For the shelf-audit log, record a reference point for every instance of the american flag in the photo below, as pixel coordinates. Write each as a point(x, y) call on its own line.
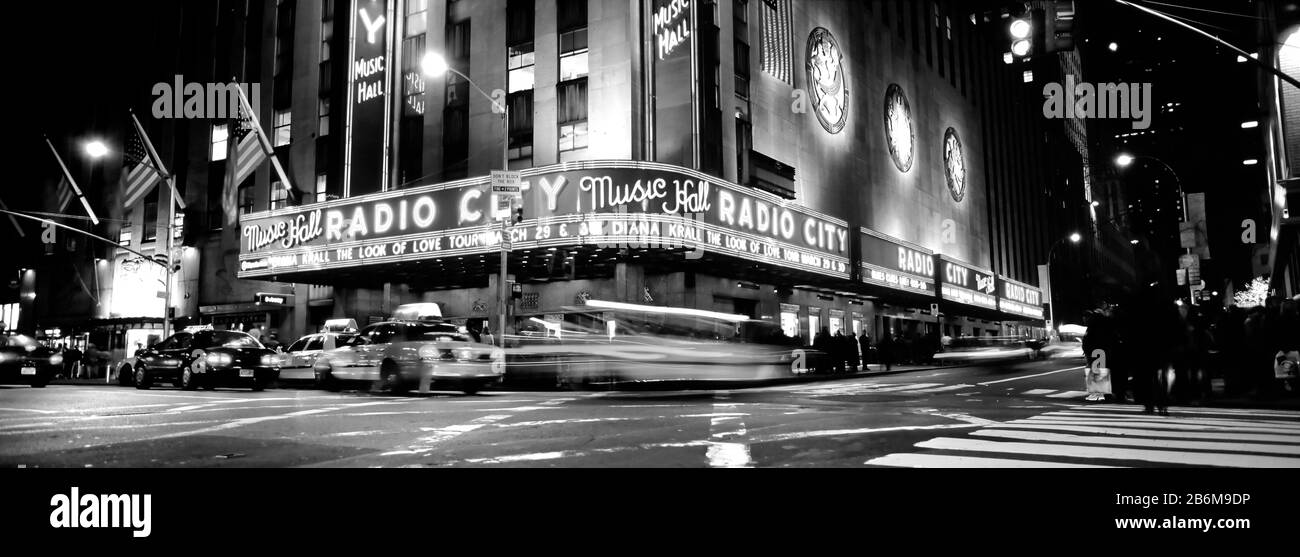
point(138, 173)
point(248, 149)
point(65, 195)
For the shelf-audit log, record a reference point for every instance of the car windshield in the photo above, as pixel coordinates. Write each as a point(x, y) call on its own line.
point(350, 339)
point(233, 339)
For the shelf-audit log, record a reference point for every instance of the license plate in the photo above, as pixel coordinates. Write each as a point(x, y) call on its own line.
point(29, 371)
point(245, 373)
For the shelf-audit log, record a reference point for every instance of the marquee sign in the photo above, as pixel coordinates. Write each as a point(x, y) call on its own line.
point(368, 108)
point(893, 263)
point(1018, 298)
point(600, 203)
point(966, 284)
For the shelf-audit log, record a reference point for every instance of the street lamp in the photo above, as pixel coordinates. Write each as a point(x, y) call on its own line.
point(1124, 160)
point(434, 65)
point(96, 149)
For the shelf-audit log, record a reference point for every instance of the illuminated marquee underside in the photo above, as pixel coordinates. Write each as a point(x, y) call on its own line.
point(602, 204)
point(893, 263)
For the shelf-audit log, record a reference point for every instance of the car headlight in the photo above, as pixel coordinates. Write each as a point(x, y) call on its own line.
point(464, 354)
point(219, 359)
point(269, 360)
point(56, 359)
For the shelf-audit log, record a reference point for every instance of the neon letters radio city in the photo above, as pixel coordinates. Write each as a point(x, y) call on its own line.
point(592, 203)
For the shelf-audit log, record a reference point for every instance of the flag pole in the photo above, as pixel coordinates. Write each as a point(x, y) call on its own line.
point(157, 161)
point(4, 208)
point(171, 225)
point(72, 182)
point(261, 137)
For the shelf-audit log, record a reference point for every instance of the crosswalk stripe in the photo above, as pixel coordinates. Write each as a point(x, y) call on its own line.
point(943, 389)
point(1069, 394)
point(1119, 431)
point(1167, 425)
point(1033, 392)
point(906, 387)
point(1111, 453)
point(1128, 408)
point(1139, 442)
point(925, 460)
point(1280, 425)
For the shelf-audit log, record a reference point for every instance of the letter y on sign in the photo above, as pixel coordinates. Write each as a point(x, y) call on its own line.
point(372, 26)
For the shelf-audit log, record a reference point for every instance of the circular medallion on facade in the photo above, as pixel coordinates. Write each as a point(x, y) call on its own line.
point(898, 128)
point(954, 165)
point(830, 89)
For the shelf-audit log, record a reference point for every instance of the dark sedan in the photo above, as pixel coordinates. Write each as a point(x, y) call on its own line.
point(26, 362)
point(23, 361)
point(207, 359)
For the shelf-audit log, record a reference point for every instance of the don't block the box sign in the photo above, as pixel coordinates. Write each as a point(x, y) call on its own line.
point(615, 204)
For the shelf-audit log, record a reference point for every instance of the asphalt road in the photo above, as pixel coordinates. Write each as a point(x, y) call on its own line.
point(1028, 414)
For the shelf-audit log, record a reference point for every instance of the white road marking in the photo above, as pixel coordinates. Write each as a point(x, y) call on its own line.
point(859, 431)
point(33, 410)
point(1035, 392)
point(1132, 409)
point(1166, 425)
point(725, 425)
point(241, 423)
point(1069, 394)
point(1030, 376)
point(943, 389)
point(925, 460)
point(1111, 453)
point(1206, 419)
point(556, 455)
point(441, 434)
point(1138, 442)
point(1120, 432)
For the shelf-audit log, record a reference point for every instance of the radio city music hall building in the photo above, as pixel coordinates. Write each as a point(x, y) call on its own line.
point(814, 164)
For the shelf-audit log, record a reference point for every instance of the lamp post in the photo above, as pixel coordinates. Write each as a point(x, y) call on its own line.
point(1126, 160)
point(433, 65)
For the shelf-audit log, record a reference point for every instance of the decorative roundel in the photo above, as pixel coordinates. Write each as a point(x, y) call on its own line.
point(898, 128)
point(954, 165)
point(830, 90)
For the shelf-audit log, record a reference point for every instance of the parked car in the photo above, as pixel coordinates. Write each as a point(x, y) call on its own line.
point(208, 359)
point(404, 354)
point(23, 361)
point(298, 362)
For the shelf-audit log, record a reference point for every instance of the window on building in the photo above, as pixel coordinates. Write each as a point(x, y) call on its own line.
point(326, 35)
point(283, 68)
point(520, 52)
point(572, 14)
point(220, 139)
point(775, 47)
point(322, 187)
point(279, 195)
point(742, 69)
point(573, 54)
point(283, 124)
point(572, 114)
point(455, 118)
point(149, 231)
point(521, 126)
point(124, 235)
point(323, 116)
point(413, 49)
point(520, 64)
point(417, 17)
point(246, 200)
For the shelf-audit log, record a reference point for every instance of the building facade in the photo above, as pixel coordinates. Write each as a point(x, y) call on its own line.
point(821, 165)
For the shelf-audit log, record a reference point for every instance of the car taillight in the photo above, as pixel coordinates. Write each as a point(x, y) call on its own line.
point(464, 354)
point(429, 353)
point(56, 359)
point(269, 360)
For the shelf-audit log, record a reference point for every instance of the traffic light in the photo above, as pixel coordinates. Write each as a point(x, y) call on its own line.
point(519, 214)
point(1043, 30)
point(516, 291)
point(1059, 18)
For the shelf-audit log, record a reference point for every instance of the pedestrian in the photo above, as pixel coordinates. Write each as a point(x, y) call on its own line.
point(864, 345)
point(1159, 320)
point(71, 361)
point(273, 342)
point(886, 351)
point(824, 346)
point(1101, 349)
point(852, 359)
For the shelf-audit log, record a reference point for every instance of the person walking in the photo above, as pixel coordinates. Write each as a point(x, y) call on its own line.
point(823, 344)
point(887, 351)
point(864, 345)
point(1159, 320)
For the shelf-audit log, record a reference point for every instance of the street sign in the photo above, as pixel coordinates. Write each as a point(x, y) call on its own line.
point(511, 179)
point(934, 309)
